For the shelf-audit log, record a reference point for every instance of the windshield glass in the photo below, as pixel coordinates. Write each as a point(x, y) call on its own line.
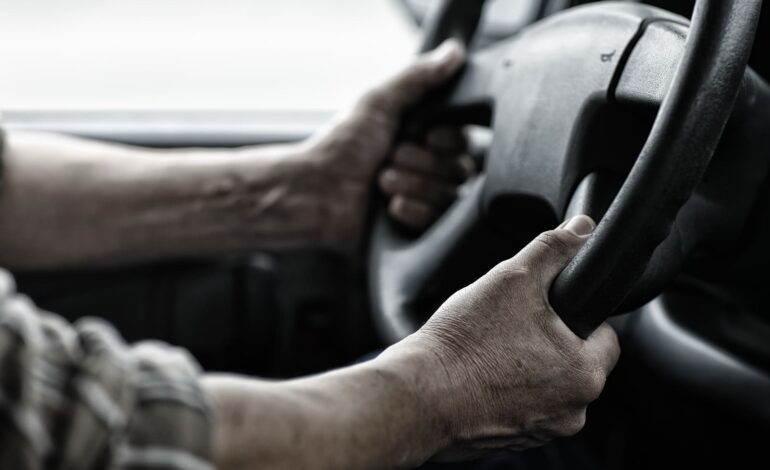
point(282, 55)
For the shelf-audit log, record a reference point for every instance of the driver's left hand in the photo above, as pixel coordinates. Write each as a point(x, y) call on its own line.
point(358, 149)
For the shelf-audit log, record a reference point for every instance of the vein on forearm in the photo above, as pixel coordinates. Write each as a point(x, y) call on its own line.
point(71, 202)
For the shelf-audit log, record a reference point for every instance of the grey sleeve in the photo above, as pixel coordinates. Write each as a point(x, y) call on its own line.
point(2, 153)
point(76, 396)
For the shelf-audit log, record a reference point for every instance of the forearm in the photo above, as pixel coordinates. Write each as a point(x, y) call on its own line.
point(373, 415)
point(72, 202)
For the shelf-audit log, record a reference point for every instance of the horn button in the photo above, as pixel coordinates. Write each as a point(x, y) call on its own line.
point(544, 86)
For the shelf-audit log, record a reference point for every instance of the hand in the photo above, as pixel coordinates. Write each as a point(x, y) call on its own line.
point(494, 368)
point(507, 372)
point(422, 179)
point(346, 156)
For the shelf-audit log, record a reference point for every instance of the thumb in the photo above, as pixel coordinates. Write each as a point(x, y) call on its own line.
point(425, 73)
point(549, 253)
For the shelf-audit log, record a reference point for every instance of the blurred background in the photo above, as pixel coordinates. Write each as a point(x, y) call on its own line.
point(197, 54)
point(147, 55)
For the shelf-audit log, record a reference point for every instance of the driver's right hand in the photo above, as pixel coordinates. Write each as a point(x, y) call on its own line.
point(506, 372)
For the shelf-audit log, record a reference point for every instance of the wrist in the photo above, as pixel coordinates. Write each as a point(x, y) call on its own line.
point(342, 195)
point(284, 205)
point(425, 382)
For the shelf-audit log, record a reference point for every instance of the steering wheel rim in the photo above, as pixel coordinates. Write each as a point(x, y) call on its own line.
point(640, 225)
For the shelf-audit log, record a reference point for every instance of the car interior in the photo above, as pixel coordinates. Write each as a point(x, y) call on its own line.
point(610, 108)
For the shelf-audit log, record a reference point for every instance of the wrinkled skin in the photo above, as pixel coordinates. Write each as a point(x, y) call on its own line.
point(510, 374)
point(493, 369)
point(359, 148)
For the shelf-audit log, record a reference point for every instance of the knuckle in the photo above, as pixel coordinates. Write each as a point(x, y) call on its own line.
point(415, 79)
point(398, 182)
point(614, 348)
point(573, 424)
point(615, 352)
point(606, 344)
point(509, 272)
point(424, 72)
point(558, 241)
point(377, 100)
point(387, 181)
point(406, 153)
point(593, 384)
point(410, 212)
point(467, 166)
point(396, 207)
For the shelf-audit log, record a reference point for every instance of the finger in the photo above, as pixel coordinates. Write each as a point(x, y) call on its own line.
point(425, 73)
point(411, 212)
point(447, 141)
point(451, 145)
point(468, 166)
point(604, 345)
point(551, 252)
point(410, 156)
point(397, 181)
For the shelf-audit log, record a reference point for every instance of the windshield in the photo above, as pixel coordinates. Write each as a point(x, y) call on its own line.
point(282, 55)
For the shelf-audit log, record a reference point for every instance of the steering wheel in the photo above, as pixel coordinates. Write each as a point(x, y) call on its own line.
point(538, 91)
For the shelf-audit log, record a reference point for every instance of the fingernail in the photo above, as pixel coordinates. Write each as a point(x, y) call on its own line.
point(449, 50)
point(388, 177)
point(580, 225)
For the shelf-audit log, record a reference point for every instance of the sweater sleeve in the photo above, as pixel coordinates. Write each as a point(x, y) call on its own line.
point(75, 396)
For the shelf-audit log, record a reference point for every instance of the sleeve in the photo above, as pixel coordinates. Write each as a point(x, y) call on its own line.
point(2, 152)
point(76, 396)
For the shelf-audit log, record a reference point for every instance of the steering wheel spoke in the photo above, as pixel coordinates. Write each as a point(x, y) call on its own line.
point(414, 276)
